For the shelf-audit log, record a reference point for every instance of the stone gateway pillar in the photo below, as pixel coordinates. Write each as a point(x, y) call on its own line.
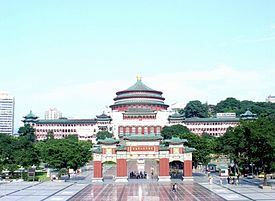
point(121, 168)
point(187, 171)
point(164, 173)
point(98, 176)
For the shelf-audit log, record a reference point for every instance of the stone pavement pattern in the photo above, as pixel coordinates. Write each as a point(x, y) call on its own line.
point(34, 191)
point(135, 189)
point(241, 192)
point(146, 191)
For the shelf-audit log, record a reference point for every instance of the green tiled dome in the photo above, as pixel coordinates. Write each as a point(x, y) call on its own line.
point(139, 94)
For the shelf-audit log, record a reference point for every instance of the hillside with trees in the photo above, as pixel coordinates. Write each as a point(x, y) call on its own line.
point(198, 109)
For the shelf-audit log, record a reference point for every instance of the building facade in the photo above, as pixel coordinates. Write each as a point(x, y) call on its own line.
point(142, 149)
point(6, 113)
point(137, 110)
point(53, 113)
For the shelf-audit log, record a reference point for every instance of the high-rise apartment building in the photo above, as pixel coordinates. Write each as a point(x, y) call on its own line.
point(53, 113)
point(6, 113)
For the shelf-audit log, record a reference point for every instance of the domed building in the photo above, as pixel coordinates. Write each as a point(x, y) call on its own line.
point(139, 96)
point(138, 110)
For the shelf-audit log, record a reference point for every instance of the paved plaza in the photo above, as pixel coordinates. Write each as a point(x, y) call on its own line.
point(135, 189)
point(35, 191)
point(146, 191)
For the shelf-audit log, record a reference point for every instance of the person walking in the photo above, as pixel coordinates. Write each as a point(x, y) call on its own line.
point(174, 187)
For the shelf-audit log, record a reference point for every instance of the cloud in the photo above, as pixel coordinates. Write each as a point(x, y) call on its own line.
point(89, 99)
point(217, 84)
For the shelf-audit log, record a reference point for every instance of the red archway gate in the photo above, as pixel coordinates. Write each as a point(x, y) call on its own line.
point(137, 147)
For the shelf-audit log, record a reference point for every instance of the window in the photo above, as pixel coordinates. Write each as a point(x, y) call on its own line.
point(145, 130)
point(139, 130)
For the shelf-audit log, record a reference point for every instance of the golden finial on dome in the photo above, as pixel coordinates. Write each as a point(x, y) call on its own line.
point(139, 78)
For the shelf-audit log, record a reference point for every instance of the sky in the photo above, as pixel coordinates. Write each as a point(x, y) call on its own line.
point(75, 55)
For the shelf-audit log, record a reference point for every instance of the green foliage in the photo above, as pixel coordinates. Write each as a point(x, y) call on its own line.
point(109, 163)
point(204, 145)
point(228, 105)
point(62, 171)
point(262, 109)
point(173, 131)
point(65, 153)
point(196, 109)
point(27, 132)
point(15, 152)
point(251, 142)
point(101, 135)
point(41, 176)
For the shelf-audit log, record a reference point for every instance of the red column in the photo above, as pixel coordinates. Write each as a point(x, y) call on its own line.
point(97, 169)
point(187, 168)
point(121, 168)
point(164, 167)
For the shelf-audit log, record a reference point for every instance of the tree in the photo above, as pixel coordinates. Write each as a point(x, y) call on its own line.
point(15, 152)
point(196, 109)
point(6, 151)
point(251, 142)
point(64, 153)
point(262, 109)
point(204, 146)
point(25, 152)
point(28, 132)
point(101, 135)
point(173, 131)
point(228, 105)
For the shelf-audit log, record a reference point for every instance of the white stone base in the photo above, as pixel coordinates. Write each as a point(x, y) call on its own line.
point(187, 178)
point(121, 179)
point(100, 179)
point(164, 178)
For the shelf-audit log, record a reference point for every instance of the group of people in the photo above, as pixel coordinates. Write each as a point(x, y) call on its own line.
point(138, 175)
point(233, 180)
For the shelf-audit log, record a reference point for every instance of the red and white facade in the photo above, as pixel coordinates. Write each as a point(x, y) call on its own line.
point(147, 147)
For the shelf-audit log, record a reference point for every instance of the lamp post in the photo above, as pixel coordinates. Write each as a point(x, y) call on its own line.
point(21, 170)
point(33, 166)
point(252, 167)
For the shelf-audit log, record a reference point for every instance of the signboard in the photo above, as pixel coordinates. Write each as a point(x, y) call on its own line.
point(31, 172)
point(142, 148)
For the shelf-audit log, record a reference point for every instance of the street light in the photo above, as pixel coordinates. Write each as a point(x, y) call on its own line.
point(21, 170)
point(252, 167)
point(33, 167)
